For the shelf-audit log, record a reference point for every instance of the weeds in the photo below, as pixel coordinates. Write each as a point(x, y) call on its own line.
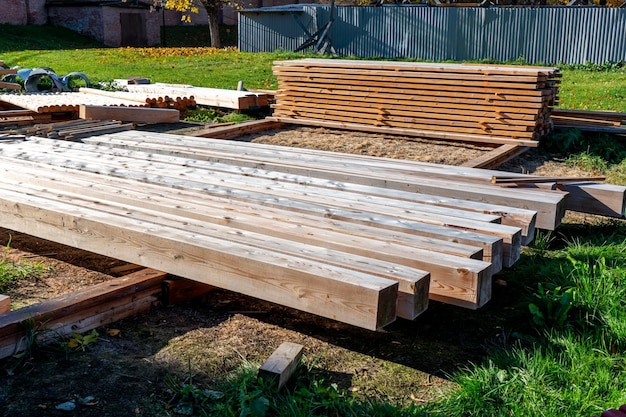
point(12, 272)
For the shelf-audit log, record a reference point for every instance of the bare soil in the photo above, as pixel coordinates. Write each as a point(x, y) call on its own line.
point(408, 362)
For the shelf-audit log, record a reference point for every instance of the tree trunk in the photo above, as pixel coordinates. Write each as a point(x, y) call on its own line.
point(214, 29)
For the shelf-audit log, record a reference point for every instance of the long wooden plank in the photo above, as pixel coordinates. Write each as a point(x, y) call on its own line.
point(432, 115)
point(531, 78)
point(349, 296)
point(426, 110)
point(447, 97)
point(468, 128)
point(129, 114)
point(511, 235)
point(364, 80)
point(235, 131)
point(80, 311)
point(440, 135)
point(422, 66)
point(497, 157)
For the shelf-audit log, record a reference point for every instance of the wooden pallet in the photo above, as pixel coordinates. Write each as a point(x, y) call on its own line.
point(498, 102)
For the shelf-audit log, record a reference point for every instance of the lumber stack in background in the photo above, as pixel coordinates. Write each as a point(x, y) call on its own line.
point(214, 97)
point(484, 102)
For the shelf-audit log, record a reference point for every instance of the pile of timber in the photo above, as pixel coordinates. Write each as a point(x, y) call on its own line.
point(589, 120)
point(480, 103)
point(213, 97)
point(358, 239)
point(180, 103)
point(71, 129)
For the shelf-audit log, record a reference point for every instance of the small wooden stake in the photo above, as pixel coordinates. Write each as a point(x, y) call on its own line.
point(282, 363)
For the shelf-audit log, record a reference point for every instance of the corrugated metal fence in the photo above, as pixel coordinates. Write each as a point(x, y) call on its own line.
point(550, 35)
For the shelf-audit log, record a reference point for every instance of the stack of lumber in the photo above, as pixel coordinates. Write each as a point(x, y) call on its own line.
point(482, 103)
point(214, 97)
point(72, 129)
point(63, 102)
point(180, 103)
point(357, 239)
point(597, 121)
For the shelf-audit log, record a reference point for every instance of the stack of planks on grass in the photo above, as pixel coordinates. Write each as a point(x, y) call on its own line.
point(483, 103)
point(62, 102)
point(588, 120)
point(80, 311)
point(214, 97)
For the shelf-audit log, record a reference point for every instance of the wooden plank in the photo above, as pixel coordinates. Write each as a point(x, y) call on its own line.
point(129, 114)
point(282, 363)
point(535, 179)
point(602, 199)
point(76, 311)
point(497, 157)
point(5, 303)
point(235, 131)
point(359, 299)
point(440, 135)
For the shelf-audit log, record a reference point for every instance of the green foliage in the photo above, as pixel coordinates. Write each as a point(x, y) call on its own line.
point(79, 341)
point(12, 272)
point(552, 305)
point(588, 162)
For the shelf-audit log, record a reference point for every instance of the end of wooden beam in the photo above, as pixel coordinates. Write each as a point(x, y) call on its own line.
point(180, 290)
point(282, 364)
point(5, 303)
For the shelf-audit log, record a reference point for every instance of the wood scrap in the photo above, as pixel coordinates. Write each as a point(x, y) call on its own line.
point(80, 311)
point(282, 363)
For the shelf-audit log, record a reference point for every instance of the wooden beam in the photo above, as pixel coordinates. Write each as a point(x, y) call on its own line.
point(129, 114)
point(235, 131)
point(80, 311)
point(282, 364)
point(497, 157)
point(179, 290)
point(10, 86)
point(440, 135)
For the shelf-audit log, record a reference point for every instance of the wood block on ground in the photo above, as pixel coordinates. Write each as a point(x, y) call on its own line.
point(5, 303)
point(129, 114)
point(282, 364)
point(82, 310)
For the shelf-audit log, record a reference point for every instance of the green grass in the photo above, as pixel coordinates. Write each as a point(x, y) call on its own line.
point(12, 272)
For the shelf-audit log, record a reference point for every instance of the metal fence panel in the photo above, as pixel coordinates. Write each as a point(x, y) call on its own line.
point(550, 35)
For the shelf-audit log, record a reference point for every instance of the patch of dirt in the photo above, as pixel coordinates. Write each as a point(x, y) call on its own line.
point(127, 375)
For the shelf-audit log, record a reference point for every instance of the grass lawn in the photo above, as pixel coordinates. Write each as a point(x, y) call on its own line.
point(563, 353)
